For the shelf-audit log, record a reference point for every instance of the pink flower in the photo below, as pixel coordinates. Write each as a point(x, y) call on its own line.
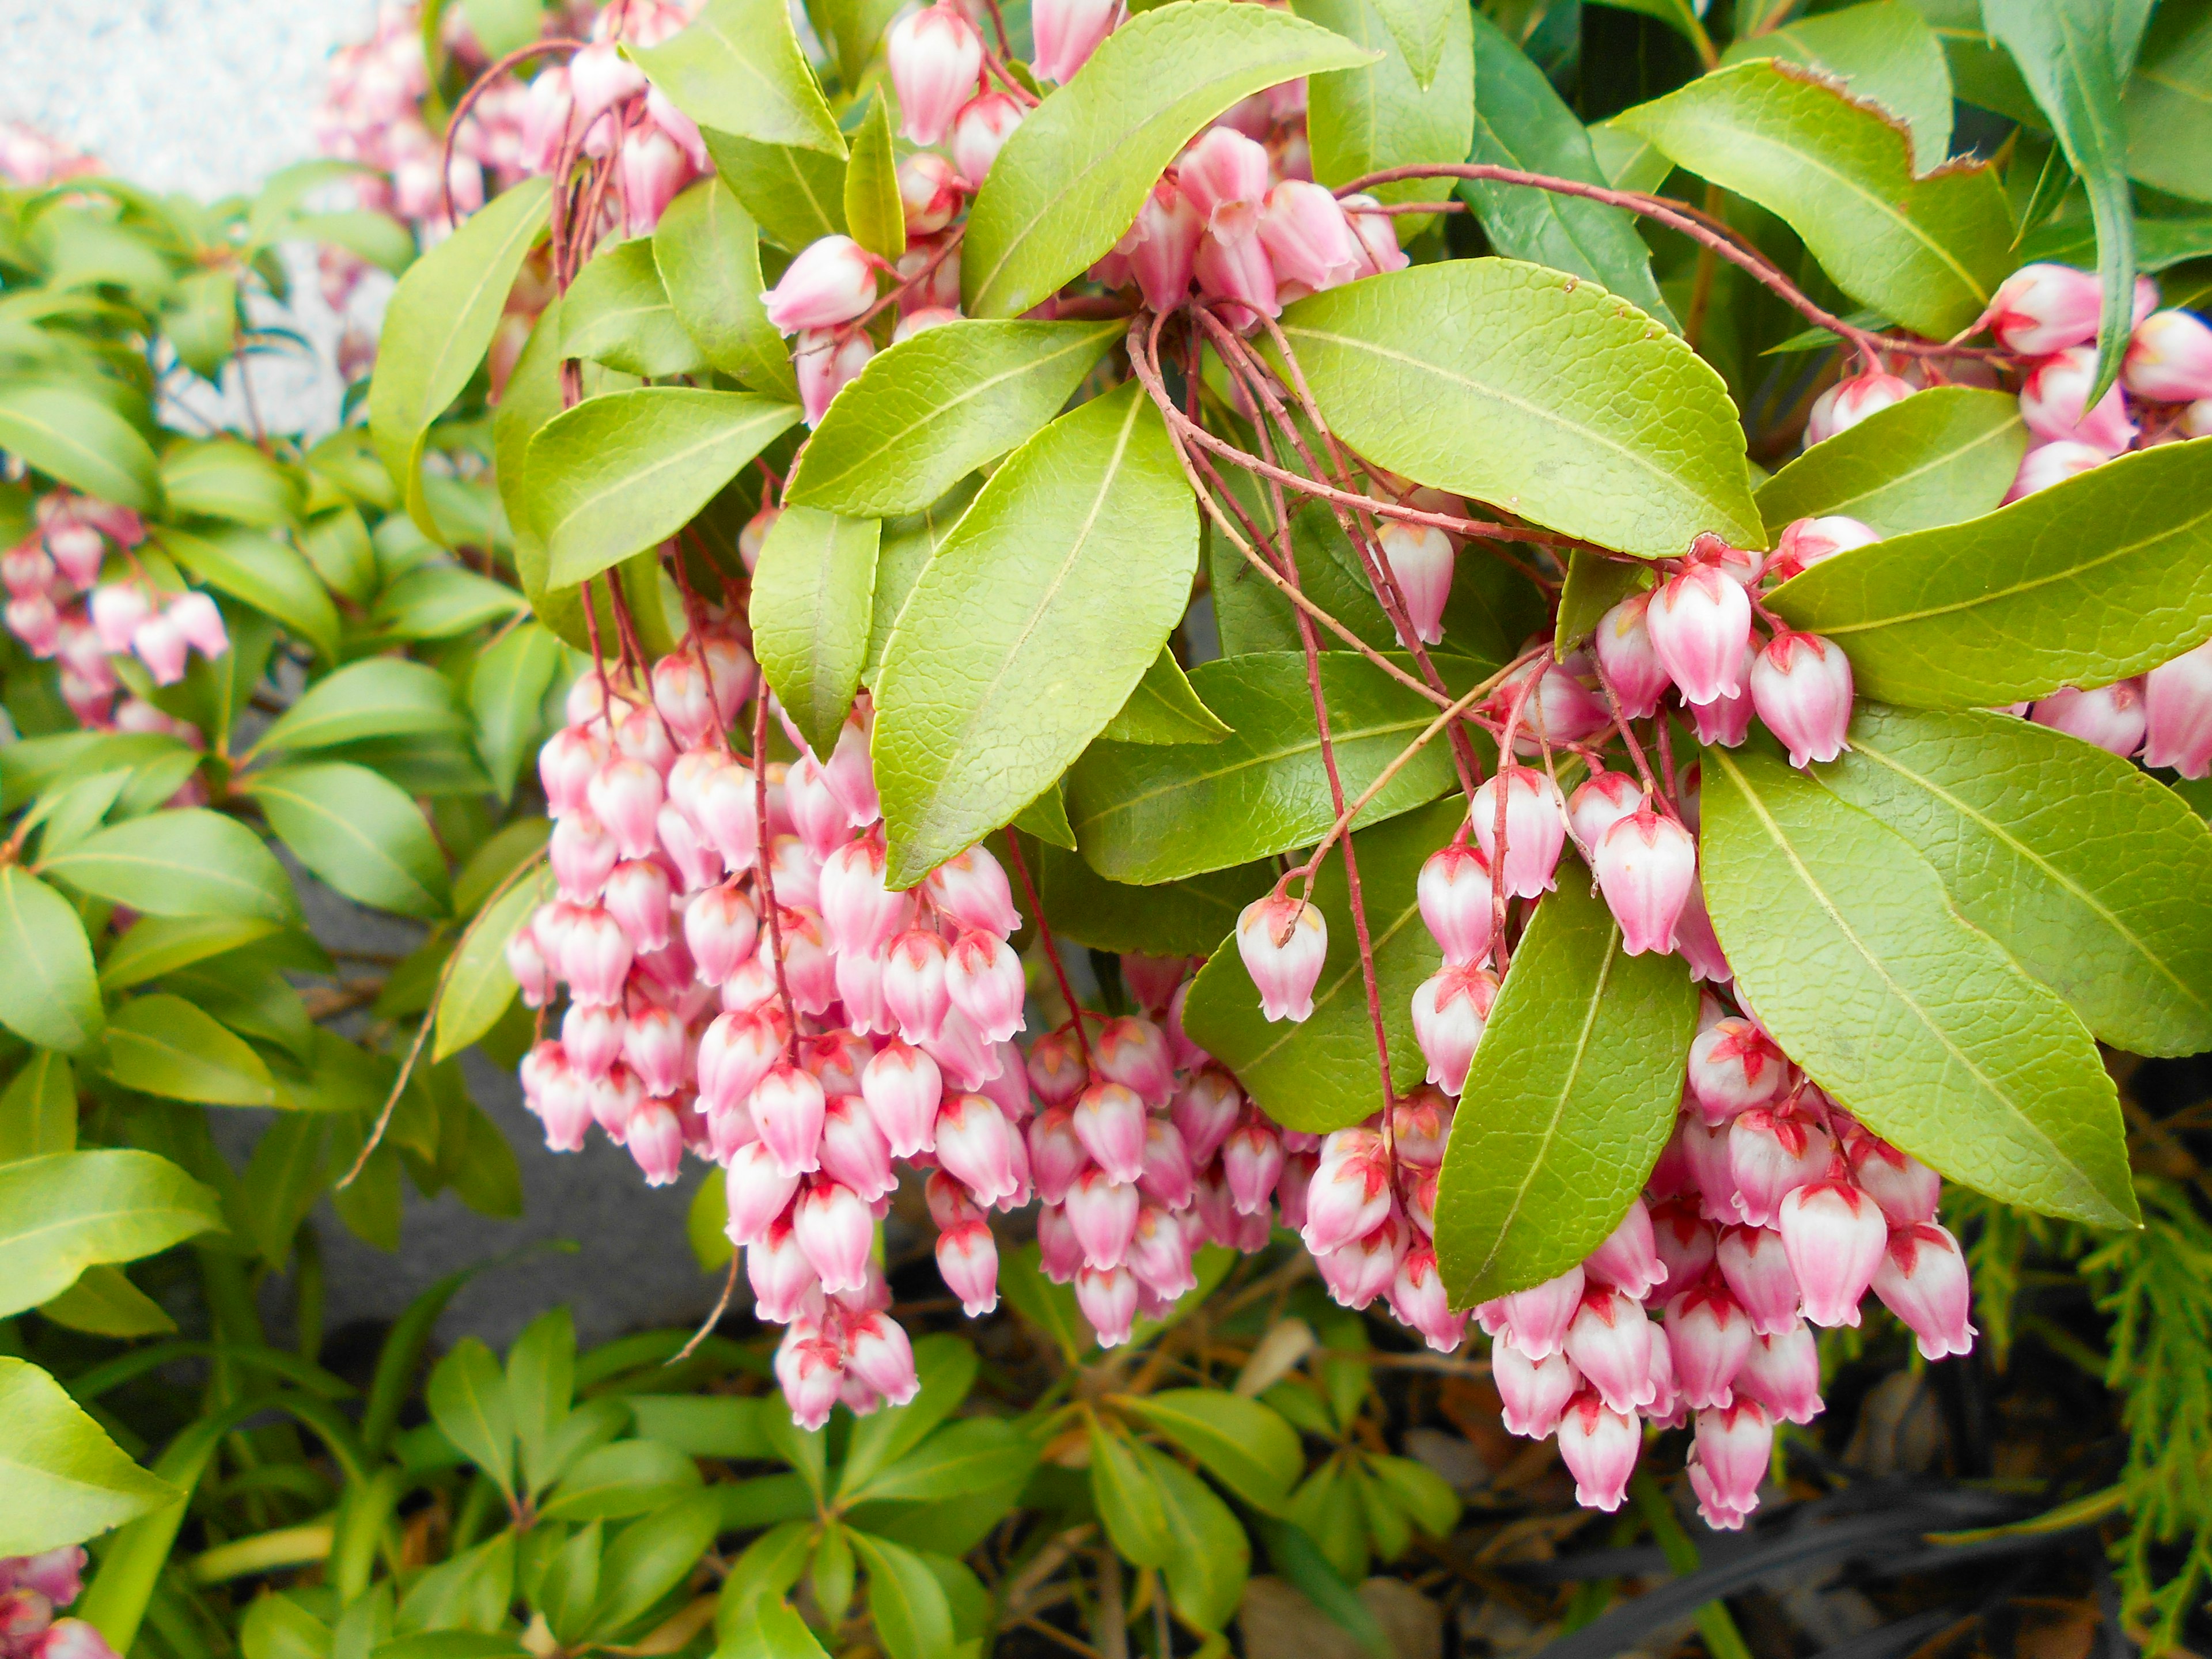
point(1536, 1321)
point(1134, 1053)
point(1159, 1253)
point(1801, 687)
point(1238, 277)
point(1922, 1279)
point(1805, 543)
point(1108, 1299)
point(1734, 1446)
point(1420, 558)
point(970, 887)
point(2043, 309)
point(983, 980)
point(1451, 1010)
point(835, 1232)
point(1102, 1213)
point(1167, 1178)
point(2178, 713)
point(1709, 1335)
point(654, 167)
point(1770, 1156)
point(1847, 401)
point(2051, 464)
point(825, 367)
point(1782, 1372)
point(1684, 1241)
point(1252, 1163)
point(1205, 1109)
point(1535, 829)
point(979, 131)
point(1162, 245)
point(878, 1352)
point(935, 56)
point(1307, 236)
point(1377, 233)
point(1599, 801)
point(193, 615)
point(1349, 1195)
point(1625, 652)
point(1834, 1235)
point(781, 1277)
point(1598, 1444)
point(2054, 402)
point(1534, 1393)
point(929, 191)
point(1454, 892)
point(1224, 175)
point(1067, 32)
point(1906, 1189)
point(1283, 942)
point(2113, 717)
point(1700, 624)
point(1756, 1266)
point(1419, 1299)
point(2169, 359)
point(1629, 1259)
point(810, 1370)
point(787, 1105)
point(757, 1192)
point(1108, 1119)
point(967, 1261)
point(1645, 864)
point(1609, 1339)
point(977, 1146)
point(1734, 1066)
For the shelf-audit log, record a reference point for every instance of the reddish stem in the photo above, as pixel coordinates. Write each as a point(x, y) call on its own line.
point(1044, 937)
point(520, 54)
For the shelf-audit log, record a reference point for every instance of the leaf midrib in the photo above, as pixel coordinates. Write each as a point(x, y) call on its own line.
point(351, 832)
point(2002, 429)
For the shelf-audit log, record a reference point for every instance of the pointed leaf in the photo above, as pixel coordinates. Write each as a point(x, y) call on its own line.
point(810, 614)
point(1163, 709)
point(48, 996)
point(912, 1618)
point(738, 69)
point(1073, 174)
point(255, 567)
point(907, 545)
point(38, 1113)
point(1382, 113)
point(378, 696)
point(617, 312)
point(105, 1303)
point(650, 1558)
point(61, 1478)
point(1595, 584)
point(1885, 54)
point(1209, 1556)
point(962, 1458)
point(2084, 583)
point(1917, 1024)
point(161, 1044)
point(78, 439)
point(1127, 1498)
point(481, 988)
point(507, 695)
point(1943, 456)
point(1536, 392)
point(874, 215)
point(933, 408)
point(1243, 1444)
point(358, 832)
point(62, 1213)
point(796, 195)
point(2168, 106)
point(708, 249)
point(469, 1402)
point(1031, 625)
point(1572, 1096)
point(191, 862)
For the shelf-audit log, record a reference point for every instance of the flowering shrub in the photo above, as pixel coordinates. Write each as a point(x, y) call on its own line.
point(1267, 498)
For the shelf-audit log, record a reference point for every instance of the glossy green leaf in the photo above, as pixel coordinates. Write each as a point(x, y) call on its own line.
point(358, 832)
point(773, 1632)
point(1423, 31)
point(337, 545)
point(874, 215)
point(438, 601)
point(945, 1369)
point(1209, 1557)
point(1163, 709)
point(227, 478)
point(738, 69)
point(796, 195)
point(2086, 582)
point(282, 1180)
point(469, 1402)
point(620, 474)
point(61, 1478)
point(615, 1481)
point(909, 544)
point(62, 1213)
point(1031, 627)
point(105, 1303)
point(1151, 812)
point(2065, 51)
point(1412, 1486)
point(189, 862)
point(437, 327)
point(38, 1113)
point(1926, 252)
point(1240, 1443)
point(481, 988)
point(2160, 244)
point(1320, 1075)
point(965, 1457)
point(1536, 392)
point(377, 696)
point(703, 1425)
point(1520, 122)
point(2096, 878)
point(617, 312)
point(48, 996)
point(649, 1558)
point(506, 692)
point(161, 1044)
point(1594, 585)
point(1916, 1022)
point(1943, 456)
point(708, 249)
point(155, 946)
point(811, 608)
point(1127, 1498)
point(933, 408)
point(1571, 1095)
point(201, 321)
point(912, 1618)
point(458, 1603)
point(1073, 174)
point(257, 568)
point(571, 1584)
point(2167, 105)
point(1381, 114)
point(1185, 918)
point(1885, 54)
point(75, 437)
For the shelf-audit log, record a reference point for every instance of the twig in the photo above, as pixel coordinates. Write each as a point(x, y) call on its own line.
point(721, 1306)
point(1044, 937)
point(461, 110)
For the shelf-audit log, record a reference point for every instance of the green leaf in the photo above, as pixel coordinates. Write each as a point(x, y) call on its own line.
point(282, 1180)
point(1072, 178)
point(376, 237)
point(480, 987)
point(853, 29)
point(76, 438)
point(703, 1425)
point(1320, 1074)
point(38, 1113)
point(1520, 122)
point(933, 408)
point(225, 478)
point(1209, 1557)
point(617, 312)
point(1417, 1489)
point(62, 1213)
point(357, 831)
point(1943, 456)
point(1885, 54)
point(874, 215)
point(2159, 243)
point(614, 1482)
point(161, 1044)
point(159, 944)
point(337, 545)
point(61, 1478)
point(1127, 1498)
point(506, 694)
point(1926, 252)
point(1570, 1097)
point(255, 567)
point(187, 862)
point(2096, 878)
point(437, 327)
point(771, 1563)
point(1032, 624)
point(945, 1369)
point(437, 601)
point(469, 1402)
point(708, 249)
point(622, 473)
point(1536, 392)
point(48, 996)
point(796, 195)
point(738, 69)
point(2086, 582)
point(1165, 709)
point(1381, 114)
point(1240, 1443)
point(965, 1458)
point(1594, 585)
point(649, 1558)
point(912, 1618)
point(1045, 818)
point(1151, 812)
point(2167, 105)
point(571, 1584)
point(1916, 1022)
point(1423, 31)
point(810, 614)
point(2065, 51)
point(1050, 1308)
point(772, 1632)
point(377, 696)
point(202, 321)
point(458, 1604)
point(105, 1303)
point(907, 545)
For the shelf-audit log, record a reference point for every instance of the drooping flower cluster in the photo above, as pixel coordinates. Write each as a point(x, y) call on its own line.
point(2049, 314)
point(60, 609)
point(31, 1588)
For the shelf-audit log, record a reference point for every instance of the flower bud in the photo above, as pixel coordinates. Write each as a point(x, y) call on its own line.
point(977, 1147)
point(1252, 1163)
point(1357, 1273)
point(824, 366)
point(1535, 828)
point(1805, 543)
point(1056, 1068)
point(1451, 1009)
point(1726, 720)
point(526, 960)
point(817, 812)
point(1350, 1194)
point(979, 131)
point(757, 1193)
point(837, 1233)
point(561, 1100)
point(1684, 1241)
point(1536, 1321)
point(654, 1045)
point(971, 887)
point(1102, 1213)
point(2113, 717)
point(1558, 708)
point(876, 1350)
point(1756, 1266)
point(929, 191)
point(1067, 32)
point(1801, 686)
point(983, 980)
point(1834, 1235)
point(1205, 1111)
point(1534, 1393)
point(1906, 1189)
point(1159, 1253)
point(1238, 277)
point(1699, 624)
point(935, 56)
point(913, 984)
point(902, 1088)
point(193, 615)
point(2054, 399)
point(1455, 895)
point(637, 897)
point(117, 611)
point(625, 796)
point(1847, 401)
point(1599, 1446)
point(1782, 1372)
point(786, 1105)
point(1421, 1129)
point(159, 644)
point(1735, 1443)
point(1108, 1299)
point(1134, 1053)
point(1599, 801)
point(735, 1053)
point(1419, 1299)
point(852, 1149)
point(655, 1139)
point(1644, 865)
point(1108, 1119)
point(2043, 309)
point(1292, 1188)
point(727, 814)
point(967, 1061)
point(1162, 245)
point(596, 957)
point(1693, 929)
point(2178, 713)
point(1922, 1279)
point(967, 1261)
point(56, 1574)
point(1632, 667)
point(721, 930)
point(1709, 1334)
point(2046, 465)
point(809, 1368)
point(1308, 239)
point(1704, 1152)
point(1609, 1341)
point(1225, 176)
point(582, 854)
point(1167, 1179)
point(1283, 942)
point(1770, 1156)
point(1732, 1068)
point(1057, 1157)
point(1629, 1259)
point(781, 1275)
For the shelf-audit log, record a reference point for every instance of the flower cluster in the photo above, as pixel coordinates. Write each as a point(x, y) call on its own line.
point(60, 609)
point(31, 1588)
point(2048, 314)
point(31, 159)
